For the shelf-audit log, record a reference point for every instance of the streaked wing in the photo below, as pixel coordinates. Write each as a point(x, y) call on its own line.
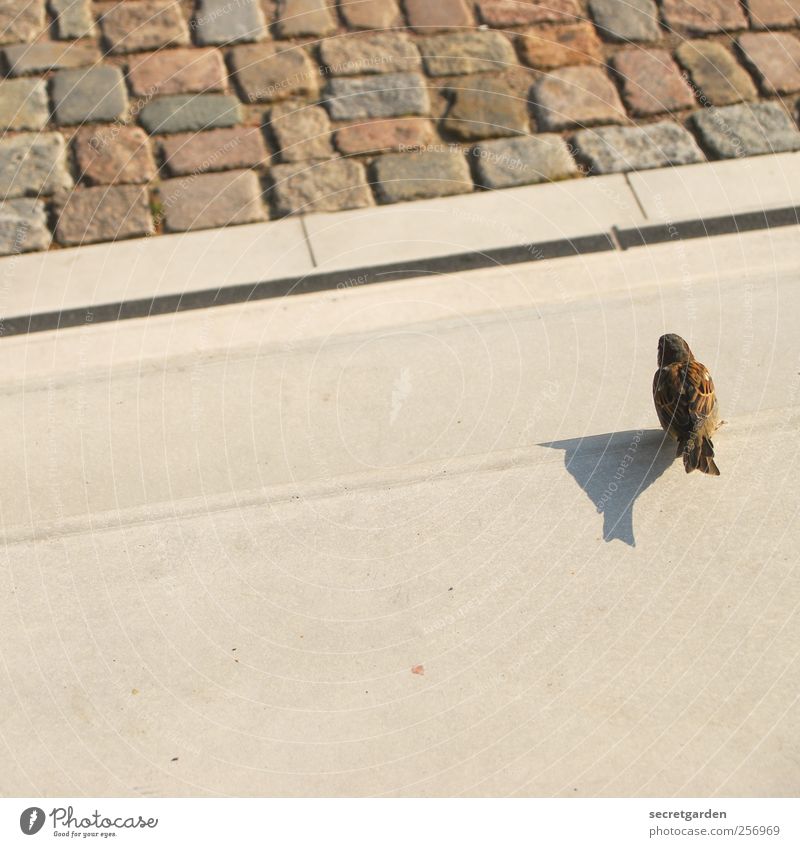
point(684, 396)
point(699, 392)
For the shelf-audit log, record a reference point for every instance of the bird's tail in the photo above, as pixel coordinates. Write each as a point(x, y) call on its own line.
point(698, 455)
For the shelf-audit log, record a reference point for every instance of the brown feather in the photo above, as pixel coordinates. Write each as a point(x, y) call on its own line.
point(686, 404)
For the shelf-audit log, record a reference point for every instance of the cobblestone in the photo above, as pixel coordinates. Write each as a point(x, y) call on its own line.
point(21, 20)
point(226, 22)
point(369, 14)
point(384, 136)
point(143, 25)
point(107, 155)
point(179, 71)
point(23, 226)
point(616, 149)
point(633, 20)
point(717, 76)
point(577, 96)
point(775, 59)
point(88, 94)
point(467, 53)
point(40, 57)
point(381, 52)
point(23, 104)
point(215, 150)
point(503, 13)
point(304, 17)
point(204, 201)
point(72, 18)
point(523, 161)
point(269, 72)
point(412, 176)
point(320, 187)
point(217, 86)
point(302, 133)
point(425, 16)
point(384, 96)
point(651, 82)
point(765, 14)
point(486, 108)
point(106, 213)
point(33, 164)
point(747, 130)
point(190, 112)
point(701, 17)
point(556, 46)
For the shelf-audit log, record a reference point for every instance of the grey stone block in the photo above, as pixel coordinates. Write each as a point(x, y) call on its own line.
point(467, 53)
point(576, 96)
point(188, 112)
point(205, 201)
point(23, 104)
point(40, 57)
point(223, 22)
point(273, 71)
point(106, 213)
point(631, 20)
point(382, 96)
point(144, 25)
point(93, 94)
point(376, 53)
point(321, 187)
point(23, 226)
point(617, 149)
point(411, 176)
point(747, 130)
point(302, 133)
point(72, 18)
point(523, 161)
point(718, 78)
point(304, 17)
point(33, 164)
point(20, 20)
point(486, 108)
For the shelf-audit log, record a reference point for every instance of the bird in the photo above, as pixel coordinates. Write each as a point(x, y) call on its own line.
point(686, 403)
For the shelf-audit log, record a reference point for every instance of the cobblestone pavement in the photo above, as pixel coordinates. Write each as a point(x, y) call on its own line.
point(133, 118)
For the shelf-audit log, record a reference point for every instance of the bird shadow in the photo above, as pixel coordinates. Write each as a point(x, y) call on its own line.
point(614, 469)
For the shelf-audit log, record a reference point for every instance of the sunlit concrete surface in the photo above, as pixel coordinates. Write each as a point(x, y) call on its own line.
point(350, 544)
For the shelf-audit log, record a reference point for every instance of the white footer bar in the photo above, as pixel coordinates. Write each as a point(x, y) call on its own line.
point(403, 822)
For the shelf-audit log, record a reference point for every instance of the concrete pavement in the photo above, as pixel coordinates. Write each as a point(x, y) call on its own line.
point(349, 543)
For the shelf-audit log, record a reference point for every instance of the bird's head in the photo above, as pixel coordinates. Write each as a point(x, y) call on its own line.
point(672, 348)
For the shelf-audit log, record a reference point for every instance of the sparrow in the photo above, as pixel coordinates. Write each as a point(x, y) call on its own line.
point(686, 403)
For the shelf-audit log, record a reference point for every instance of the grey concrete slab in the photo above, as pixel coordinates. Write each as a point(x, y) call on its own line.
point(232, 536)
point(154, 267)
point(719, 188)
point(484, 221)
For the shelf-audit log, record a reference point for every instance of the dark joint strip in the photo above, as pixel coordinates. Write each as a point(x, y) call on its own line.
point(351, 277)
point(708, 227)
